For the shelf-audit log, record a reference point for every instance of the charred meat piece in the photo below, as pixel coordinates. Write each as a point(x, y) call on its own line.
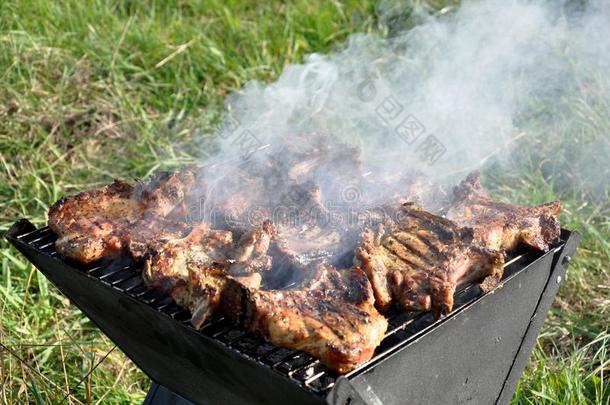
point(310, 157)
point(250, 254)
point(196, 269)
point(296, 250)
point(236, 197)
point(89, 225)
point(499, 225)
point(300, 203)
point(165, 192)
point(311, 242)
point(332, 316)
point(95, 224)
point(285, 183)
point(144, 236)
point(417, 263)
point(304, 232)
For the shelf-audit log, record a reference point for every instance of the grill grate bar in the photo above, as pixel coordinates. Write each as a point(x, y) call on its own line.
point(120, 276)
point(138, 290)
point(231, 335)
point(129, 284)
point(37, 233)
point(164, 302)
point(94, 269)
point(260, 351)
point(100, 272)
point(313, 378)
point(294, 363)
point(47, 245)
point(246, 343)
point(171, 309)
point(307, 371)
point(152, 296)
point(110, 271)
point(213, 322)
point(322, 382)
point(277, 356)
point(25, 236)
point(183, 316)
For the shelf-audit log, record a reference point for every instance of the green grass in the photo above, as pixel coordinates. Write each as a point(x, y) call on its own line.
point(93, 90)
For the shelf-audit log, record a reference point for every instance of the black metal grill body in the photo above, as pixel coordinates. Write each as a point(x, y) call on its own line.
point(475, 355)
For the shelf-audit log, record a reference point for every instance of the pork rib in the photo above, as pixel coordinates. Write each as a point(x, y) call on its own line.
point(332, 316)
point(100, 223)
point(195, 270)
point(499, 225)
point(417, 262)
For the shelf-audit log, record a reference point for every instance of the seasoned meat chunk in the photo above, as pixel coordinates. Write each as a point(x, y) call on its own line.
point(196, 269)
point(331, 316)
point(418, 262)
point(499, 225)
point(95, 224)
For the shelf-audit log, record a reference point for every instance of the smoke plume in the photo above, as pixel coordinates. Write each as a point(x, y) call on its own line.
point(491, 83)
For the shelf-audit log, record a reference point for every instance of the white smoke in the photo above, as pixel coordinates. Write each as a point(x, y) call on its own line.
point(475, 87)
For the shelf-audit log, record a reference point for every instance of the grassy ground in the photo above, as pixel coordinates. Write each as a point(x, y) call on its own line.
point(93, 90)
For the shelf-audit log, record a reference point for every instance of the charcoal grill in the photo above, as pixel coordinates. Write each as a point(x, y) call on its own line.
point(474, 355)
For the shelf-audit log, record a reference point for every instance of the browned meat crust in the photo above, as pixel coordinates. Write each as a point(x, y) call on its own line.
point(332, 317)
point(409, 258)
point(195, 269)
point(95, 224)
point(499, 225)
point(88, 225)
point(418, 262)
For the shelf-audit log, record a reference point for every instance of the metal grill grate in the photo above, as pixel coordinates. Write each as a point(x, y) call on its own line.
point(298, 366)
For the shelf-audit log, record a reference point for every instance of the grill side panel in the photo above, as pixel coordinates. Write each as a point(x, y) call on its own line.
point(561, 260)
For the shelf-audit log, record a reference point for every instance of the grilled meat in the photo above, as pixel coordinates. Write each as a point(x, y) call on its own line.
point(281, 281)
point(196, 269)
point(143, 236)
point(95, 224)
point(305, 228)
point(417, 263)
point(311, 242)
point(331, 316)
point(302, 222)
point(89, 225)
point(312, 232)
point(250, 254)
point(234, 199)
point(166, 192)
point(499, 225)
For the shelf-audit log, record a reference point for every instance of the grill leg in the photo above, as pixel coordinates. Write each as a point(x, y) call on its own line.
point(159, 395)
